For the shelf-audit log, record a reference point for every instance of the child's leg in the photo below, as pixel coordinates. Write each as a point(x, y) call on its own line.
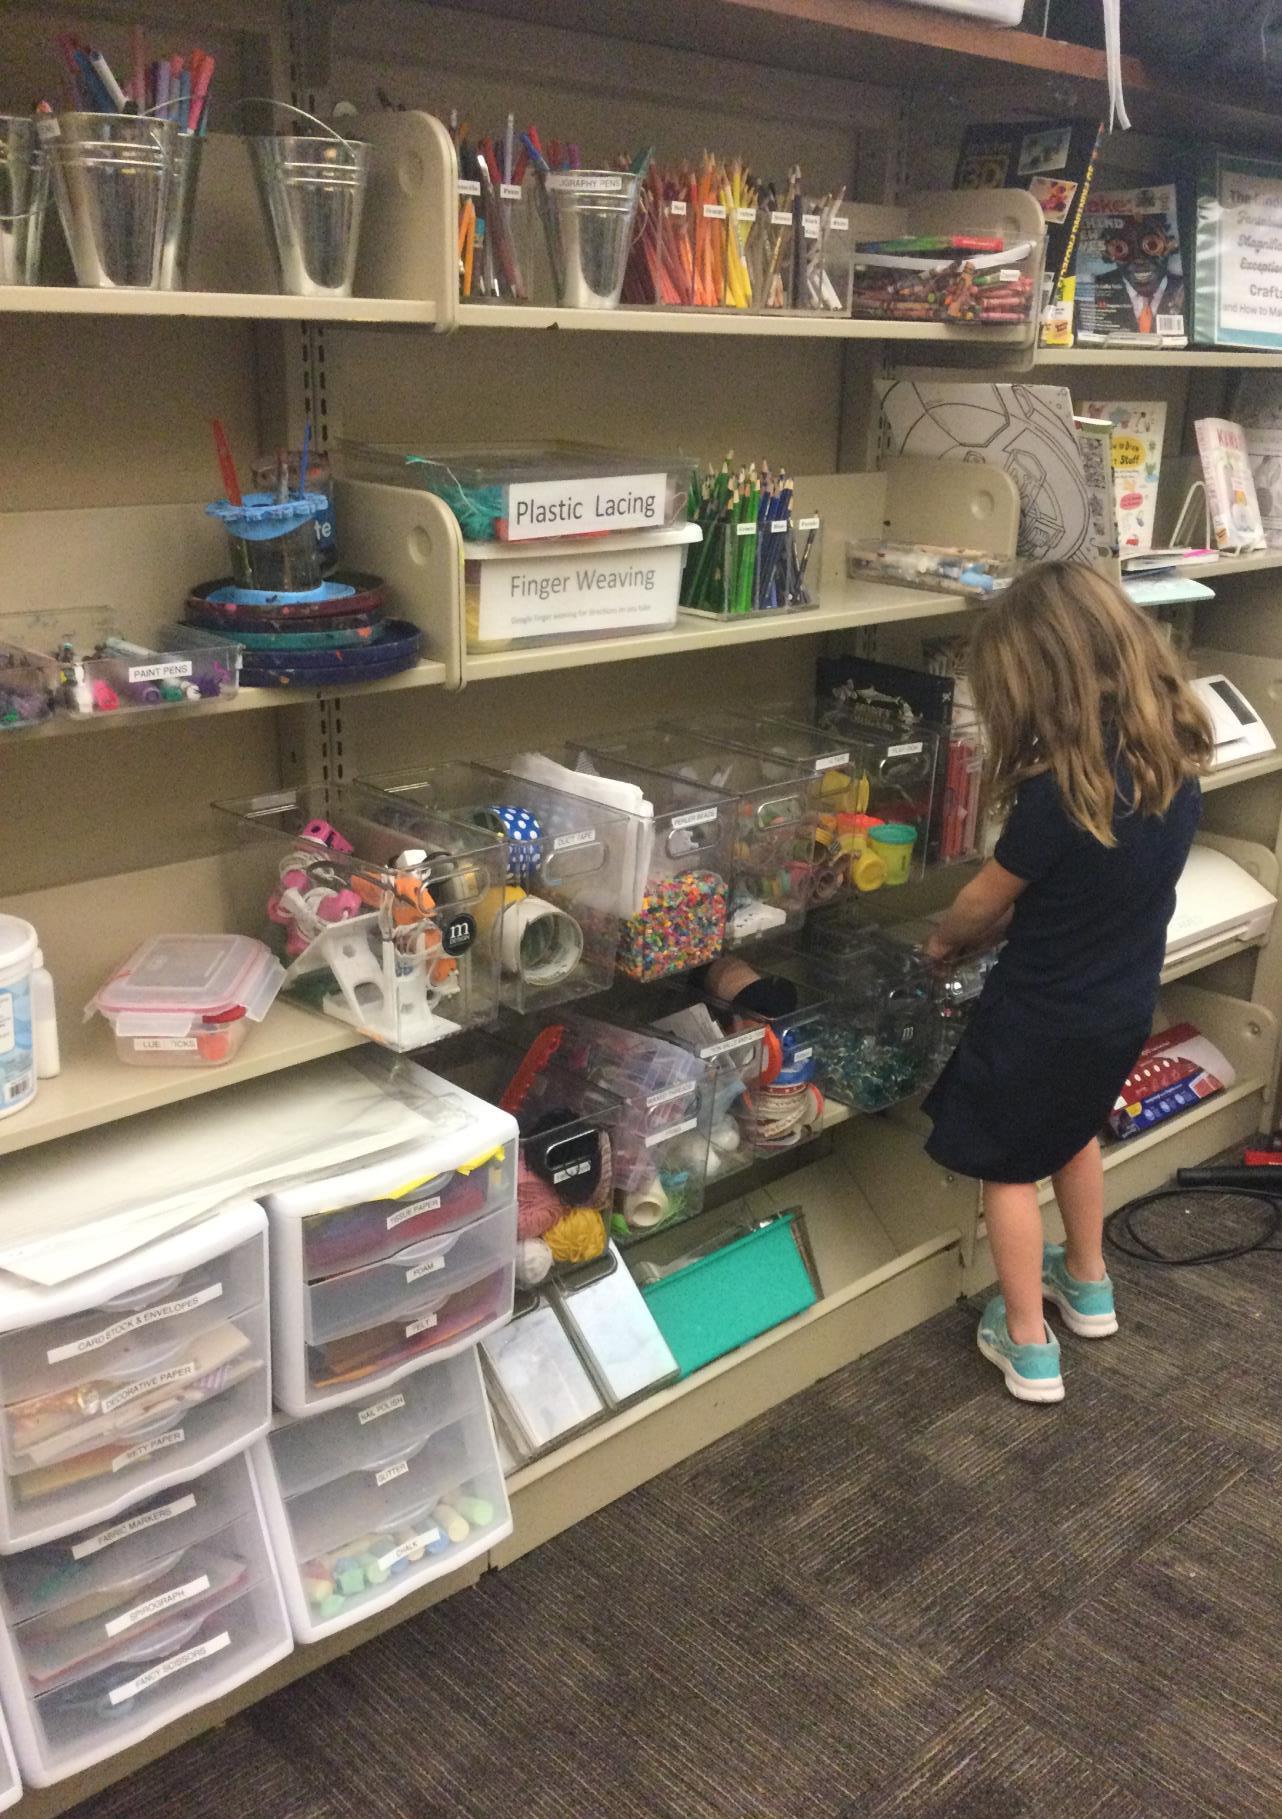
point(1079, 1189)
point(1014, 1223)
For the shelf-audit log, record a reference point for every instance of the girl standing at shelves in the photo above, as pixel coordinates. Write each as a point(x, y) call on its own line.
point(1095, 743)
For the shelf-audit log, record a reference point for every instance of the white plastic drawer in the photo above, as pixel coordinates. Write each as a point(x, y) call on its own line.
point(347, 1238)
point(116, 1337)
point(180, 1425)
point(362, 1436)
point(416, 1280)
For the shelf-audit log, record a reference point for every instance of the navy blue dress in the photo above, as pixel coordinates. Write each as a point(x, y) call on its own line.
point(1071, 1001)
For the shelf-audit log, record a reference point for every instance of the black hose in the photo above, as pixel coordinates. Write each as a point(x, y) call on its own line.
point(1123, 1233)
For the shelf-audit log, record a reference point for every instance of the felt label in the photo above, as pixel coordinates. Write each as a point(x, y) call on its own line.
point(569, 508)
point(389, 1472)
point(414, 1545)
point(424, 1325)
point(171, 671)
point(121, 1531)
point(163, 1601)
point(673, 1130)
point(175, 1665)
point(594, 592)
point(376, 1410)
point(146, 1448)
point(145, 1386)
point(403, 1213)
point(132, 1323)
point(429, 1268)
point(831, 762)
point(694, 817)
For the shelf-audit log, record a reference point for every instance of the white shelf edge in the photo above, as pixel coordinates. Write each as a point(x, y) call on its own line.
point(264, 306)
point(1185, 965)
point(1156, 356)
point(1267, 766)
point(656, 320)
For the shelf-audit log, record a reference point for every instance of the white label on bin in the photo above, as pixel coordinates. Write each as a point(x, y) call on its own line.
point(571, 508)
point(571, 1171)
point(415, 1545)
point(423, 1325)
point(389, 1472)
point(801, 1054)
point(1011, 275)
point(8, 1040)
point(468, 186)
point(744, 1039)
point(163, 1601)
point(146, 1316)
point(585, 837)
point(145, 1448)
point(172, 671)
point(778, 526)
point(781, 217)
point(678, 209)
point(146, 1386)
point(809, 524)
point(831, 762)
point(175, 1665)
point(376, 1410)
point(412, 1212)
point(664, 1095)
point(585, 183)
point(165, 1045)
point(904, 751)
point(841, 223)
point(510, 192)
point(694, 817)
point(425, 1269)
point(121, 1531)
point(746, 215)
point(810, 226)
point(673, 1130)
point(745, 530)
point(564, 596)
point(713, 211)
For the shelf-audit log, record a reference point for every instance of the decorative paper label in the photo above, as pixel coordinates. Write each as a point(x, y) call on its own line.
point(145, 1448)
point(134, 1525)
point(376, 1410)
point(162, 1671)
point(132, 1323)
point(163, 1601)
point(145, 1386)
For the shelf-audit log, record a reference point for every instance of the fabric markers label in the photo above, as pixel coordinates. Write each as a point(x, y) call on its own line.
point(376, 1410)
point(415, 1545)
point(147, 1386)
point(569, 508)
point(389, 1472)
point(596, 592)
point(904, 751)
point(175, 1665)
point(146, 1448)
point(584, 837)
point(673, 1130)
point(403, 1213)
point(172, 671)
point(424, 1325)
point(163, 1601)
point(132, 1323)
point(429, 1268)
point(694, 817)
point(165, 1045)
point(121, 1531)
point(832, 762)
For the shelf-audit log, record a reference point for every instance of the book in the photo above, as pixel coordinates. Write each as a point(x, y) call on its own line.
point(1095, 439)
point(1138, 432)
point(1054, 160)
point(1026, 430)
point(1257, 406)
point(1230, 488)
point(1130, 277)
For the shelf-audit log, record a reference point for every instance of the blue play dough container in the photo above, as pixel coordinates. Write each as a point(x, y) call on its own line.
point(273, 541)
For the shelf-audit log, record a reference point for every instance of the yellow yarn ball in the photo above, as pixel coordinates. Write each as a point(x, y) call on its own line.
point(578, 1237)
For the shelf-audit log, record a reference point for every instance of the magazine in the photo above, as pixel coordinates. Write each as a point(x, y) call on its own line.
point(1138, 433)
point(1258, 408)
point(1230, 489)
point(1130, 278)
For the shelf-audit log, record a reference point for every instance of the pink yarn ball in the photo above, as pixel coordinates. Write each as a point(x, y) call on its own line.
point(538, 1205)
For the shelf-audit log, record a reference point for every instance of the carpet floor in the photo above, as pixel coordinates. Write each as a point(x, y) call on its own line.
point(899, 1596)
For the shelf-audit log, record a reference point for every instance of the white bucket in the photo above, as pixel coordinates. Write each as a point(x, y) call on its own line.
point(28, 1029)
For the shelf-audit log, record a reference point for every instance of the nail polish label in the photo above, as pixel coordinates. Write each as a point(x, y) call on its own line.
point(376, 1410)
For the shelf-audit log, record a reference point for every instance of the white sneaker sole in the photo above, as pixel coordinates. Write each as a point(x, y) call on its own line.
point(1024, 1389)
point(1086, 1326)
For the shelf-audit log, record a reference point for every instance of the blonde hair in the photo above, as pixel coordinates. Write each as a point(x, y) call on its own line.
point(1070, 678)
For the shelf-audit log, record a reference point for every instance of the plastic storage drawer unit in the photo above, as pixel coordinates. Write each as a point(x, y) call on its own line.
point(404, 1256)
point(121, 1629)
point(133, 1376)
point(368, 1503)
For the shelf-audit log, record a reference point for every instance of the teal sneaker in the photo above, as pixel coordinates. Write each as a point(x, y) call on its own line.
point(1087, 1307)
point(1031, 1371)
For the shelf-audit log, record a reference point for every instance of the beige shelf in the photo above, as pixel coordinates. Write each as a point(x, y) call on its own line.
point(1185, 965)
point(1157, 356)
point(259, 306)
point(1259, 563)
point(1267, 766)
point(658, 321)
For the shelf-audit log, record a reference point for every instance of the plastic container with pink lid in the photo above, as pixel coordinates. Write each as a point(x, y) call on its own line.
point(188, 1000)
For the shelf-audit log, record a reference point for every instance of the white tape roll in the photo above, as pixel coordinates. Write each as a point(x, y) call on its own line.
point(541, 943)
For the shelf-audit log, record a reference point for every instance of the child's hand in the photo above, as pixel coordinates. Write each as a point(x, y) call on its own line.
point(940, 952)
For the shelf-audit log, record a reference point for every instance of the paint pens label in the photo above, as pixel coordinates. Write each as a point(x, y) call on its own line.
point(584, 837)
point(832, 762)
point(424, 1325)
point(432, 1265)
point(135, 1525)
point(412, 1212)
point(389, 1472)
point(673, 1130)
point(147, 1386)
point(695, 817)
point(132, 1323)
point(904, 751)
point(158, 1444)
point(510, 192)
point(164, 1601)
point(415, 1545)
point(165, 1045)
point(376, 1410)
point(468, 186)
point(154, 1675)
point(159, 672)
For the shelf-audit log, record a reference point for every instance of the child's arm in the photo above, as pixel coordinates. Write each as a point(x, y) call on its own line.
point(982, 907)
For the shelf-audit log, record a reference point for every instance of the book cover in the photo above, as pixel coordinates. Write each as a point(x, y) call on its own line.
point(1054, 160)
point(1138, 433)
point(1257, 406)
point(1026, 430)
point(1095, 439)
point(1230, 489)
point(1130, 277)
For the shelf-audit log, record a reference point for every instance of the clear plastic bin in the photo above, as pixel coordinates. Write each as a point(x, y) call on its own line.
point(744, 570)
point(933, 566)
point(188, 1000)
point(378, 915)
point(365, 1504)
point(539, 1386)
point(776, 817)
point(495, 222)
point(565, 872)
point(676, 890)
point(886, 1005)
point(132, 1377)
point(877, 832)
point(534, 490)
point(908, 280)
point(801, 258)
point(102, 672)
point(29, 686)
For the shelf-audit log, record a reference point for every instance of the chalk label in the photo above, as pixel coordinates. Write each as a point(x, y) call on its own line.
point(376, 1410)
point(121, 1531)
point(415, 1545)
point(188, 1658)
point(146, 1316)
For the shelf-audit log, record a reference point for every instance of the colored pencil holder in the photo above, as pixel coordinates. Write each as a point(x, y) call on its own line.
point(181, 211)
point(587, 217)
point(112, 175)
point(24, 197)
point(273, 541)
point(313, 194)
point(494, 225)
